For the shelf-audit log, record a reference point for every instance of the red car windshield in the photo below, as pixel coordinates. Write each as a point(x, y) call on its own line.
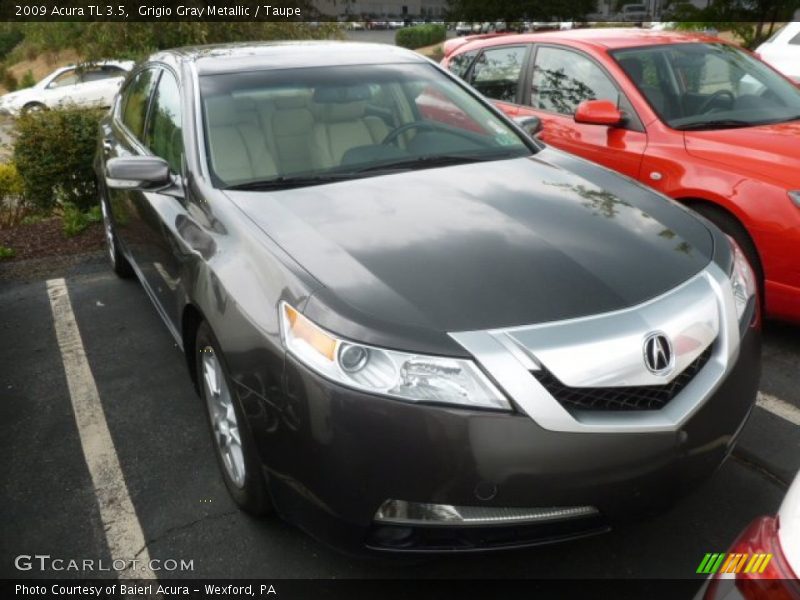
point(709, 86)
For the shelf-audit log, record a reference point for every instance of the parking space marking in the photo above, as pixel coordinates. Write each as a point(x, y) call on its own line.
point(122, 528)
point(779, 408)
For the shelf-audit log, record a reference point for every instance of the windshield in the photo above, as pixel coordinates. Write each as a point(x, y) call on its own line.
point(305, 126)
point(709, 86)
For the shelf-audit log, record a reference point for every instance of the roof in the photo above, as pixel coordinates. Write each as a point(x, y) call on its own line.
point(223, 58)
point(611, 38)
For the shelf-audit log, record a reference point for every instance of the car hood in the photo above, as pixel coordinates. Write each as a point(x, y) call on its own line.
point(770, 151)
point(480, 246)
point(13, 97)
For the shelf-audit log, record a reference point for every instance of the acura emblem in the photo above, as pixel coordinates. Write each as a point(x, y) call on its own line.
point(658, 354)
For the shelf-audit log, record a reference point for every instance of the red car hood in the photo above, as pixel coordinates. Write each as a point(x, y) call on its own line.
point(767, 151)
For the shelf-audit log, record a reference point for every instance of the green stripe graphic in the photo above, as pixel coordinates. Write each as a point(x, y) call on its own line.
point(711, 563)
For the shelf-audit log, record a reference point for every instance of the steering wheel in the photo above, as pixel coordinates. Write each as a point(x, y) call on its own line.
point(392, 136)
point(703, 108)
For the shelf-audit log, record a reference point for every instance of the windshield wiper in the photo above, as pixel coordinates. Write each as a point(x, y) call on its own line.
point(285, 183)
point(717, 124)
point(436, 160)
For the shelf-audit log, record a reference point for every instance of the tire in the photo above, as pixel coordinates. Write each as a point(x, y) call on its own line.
point(119, 264)
point(33, 107)
point(241, 470)
point(730, 225)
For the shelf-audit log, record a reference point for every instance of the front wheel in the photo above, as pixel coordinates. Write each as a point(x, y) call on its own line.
point(233, 443)
point(33, 107)
point(731, 226)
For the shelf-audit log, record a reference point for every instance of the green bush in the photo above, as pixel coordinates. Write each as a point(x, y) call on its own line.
point(420, 35)
point(6, 252)
point(11, 184)
point(74, 221)
point(53, 152)
point(27, 80)
point(10, 35)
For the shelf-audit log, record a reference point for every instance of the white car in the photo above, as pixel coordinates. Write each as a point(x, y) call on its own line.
point(782, 50)
point(95, 84)
point(764, 562)
point(636, 13)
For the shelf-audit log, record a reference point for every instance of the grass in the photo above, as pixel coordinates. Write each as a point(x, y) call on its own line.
point(6, 252)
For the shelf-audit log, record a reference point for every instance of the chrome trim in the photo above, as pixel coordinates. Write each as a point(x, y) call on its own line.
point(605, 350)
point(400, 512)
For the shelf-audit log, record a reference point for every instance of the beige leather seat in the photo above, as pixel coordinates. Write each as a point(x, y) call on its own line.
point(237, 143)
point(342, 126)
point(289, 125)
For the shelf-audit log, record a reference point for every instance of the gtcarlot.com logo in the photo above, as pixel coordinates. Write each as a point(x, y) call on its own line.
point(45, 562)
point(733, 563)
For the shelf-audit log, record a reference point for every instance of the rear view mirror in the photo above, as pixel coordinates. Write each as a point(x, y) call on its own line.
point(532, 125)
point(598, 112)
point(141, 173)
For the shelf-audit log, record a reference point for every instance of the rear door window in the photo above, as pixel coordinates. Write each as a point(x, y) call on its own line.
point(497, 71)
point(460, 63)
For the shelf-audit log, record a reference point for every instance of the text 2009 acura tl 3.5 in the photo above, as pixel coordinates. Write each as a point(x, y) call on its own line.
point(414, 327)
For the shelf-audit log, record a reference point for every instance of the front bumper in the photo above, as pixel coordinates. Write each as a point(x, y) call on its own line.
point(334, 455)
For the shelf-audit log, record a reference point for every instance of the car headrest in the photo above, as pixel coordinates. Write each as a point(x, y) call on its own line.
point(633, 67)
point(343, 94)
point(335, 113)
point(293, 100)
point(222, 111)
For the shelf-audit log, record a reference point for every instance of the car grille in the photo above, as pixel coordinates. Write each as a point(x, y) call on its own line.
point(641, 397)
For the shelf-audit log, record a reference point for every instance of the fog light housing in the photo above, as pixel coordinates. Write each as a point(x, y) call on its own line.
point(400, 512)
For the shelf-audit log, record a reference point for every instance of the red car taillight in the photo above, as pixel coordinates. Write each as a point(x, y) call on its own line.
point(778, 581)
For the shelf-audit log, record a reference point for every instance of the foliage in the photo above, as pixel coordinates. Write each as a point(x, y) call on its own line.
point(513, 10)
point(10, 35)
point(135, 40)
point(420, 35)
point(27, 80)
point(13, 208)
point(11, 185)
point(53, 152)
point(752, 21)
point(75, 221)
point(6, 252)
point(8, 80)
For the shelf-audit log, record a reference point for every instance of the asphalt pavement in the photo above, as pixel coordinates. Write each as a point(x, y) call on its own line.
point(49, 504)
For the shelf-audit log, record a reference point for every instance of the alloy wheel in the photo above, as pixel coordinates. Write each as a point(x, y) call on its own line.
point(224, 423)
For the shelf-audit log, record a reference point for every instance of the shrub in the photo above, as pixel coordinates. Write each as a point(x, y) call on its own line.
point(9, 81)
point(27, 80)
point(11, 184)
point(10, 35)
point(54, 151)
point(420, 35)
point(74, 221)
point(13, 209)
point(6, 252)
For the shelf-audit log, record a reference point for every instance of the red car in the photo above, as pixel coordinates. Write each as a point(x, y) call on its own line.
point(696, 118)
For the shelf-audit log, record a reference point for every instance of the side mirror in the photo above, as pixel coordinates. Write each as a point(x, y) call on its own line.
point(530, 124)
point(598, 112)
point(139, 173)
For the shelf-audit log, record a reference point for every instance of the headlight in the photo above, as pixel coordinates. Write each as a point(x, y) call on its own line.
point(410, 377)
point(743, 279)
point(795, 196)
